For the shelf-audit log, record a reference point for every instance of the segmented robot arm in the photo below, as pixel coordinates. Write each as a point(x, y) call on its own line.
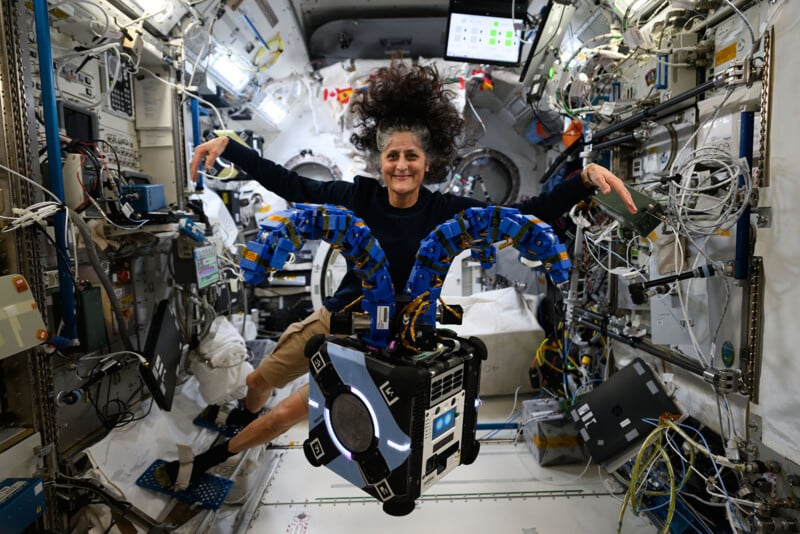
point(478, 229)
point(284, 232)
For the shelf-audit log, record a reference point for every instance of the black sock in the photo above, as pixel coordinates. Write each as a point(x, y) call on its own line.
point(240, 417)
point(202, 463)
point(210, 412)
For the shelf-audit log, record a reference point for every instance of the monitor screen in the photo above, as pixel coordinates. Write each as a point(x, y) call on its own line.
point(443, 423)
point(80, 124)
point(205, 261)
point(480, 38)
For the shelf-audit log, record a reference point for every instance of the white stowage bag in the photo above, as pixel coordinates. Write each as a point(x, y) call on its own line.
point(505, 320)
point(219, 364)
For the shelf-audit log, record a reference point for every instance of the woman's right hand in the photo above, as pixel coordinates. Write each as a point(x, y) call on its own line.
point(208, 151)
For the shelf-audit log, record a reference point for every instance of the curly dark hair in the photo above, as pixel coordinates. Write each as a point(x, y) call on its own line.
point(402, 98)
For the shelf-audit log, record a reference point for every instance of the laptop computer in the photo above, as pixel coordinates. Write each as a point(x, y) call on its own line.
point(162, 349)
point(610, 419)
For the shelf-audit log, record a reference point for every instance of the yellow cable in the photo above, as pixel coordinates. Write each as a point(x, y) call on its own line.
point(356, 301)
point(553, 367)
point(538, 354)
point(721, 460)
point(630, 495)
point(448, 308)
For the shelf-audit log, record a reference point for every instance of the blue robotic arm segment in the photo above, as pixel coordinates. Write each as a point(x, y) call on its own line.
point(284, 232)
point(276, 239)
point(478, 229)
point(536, 240)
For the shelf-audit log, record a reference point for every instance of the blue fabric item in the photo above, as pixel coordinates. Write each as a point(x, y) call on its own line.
point(228, 431)
point(398, 231)
point(208, 494)
point(557, 179)
point(534, 134)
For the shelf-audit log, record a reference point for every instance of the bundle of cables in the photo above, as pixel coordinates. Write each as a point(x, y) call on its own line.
point(556, 371)
point(35, 213)
point(662, 472)
point(713, 192)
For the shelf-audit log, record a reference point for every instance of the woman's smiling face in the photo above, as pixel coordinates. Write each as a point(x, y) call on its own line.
point(403, 167)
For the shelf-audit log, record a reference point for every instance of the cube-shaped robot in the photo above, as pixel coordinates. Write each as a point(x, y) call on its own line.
point(393, 425)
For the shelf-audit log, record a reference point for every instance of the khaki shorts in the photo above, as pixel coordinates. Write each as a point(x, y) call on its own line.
point(288, 361)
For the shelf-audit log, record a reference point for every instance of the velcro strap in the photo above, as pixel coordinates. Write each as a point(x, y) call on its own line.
point(375, 268)
point(222, 415)
point(292, 234)
point(524, 229)
point(438, 269)
point(185, 458)
point(445, 243)
point(463, 225)
point(495, 225)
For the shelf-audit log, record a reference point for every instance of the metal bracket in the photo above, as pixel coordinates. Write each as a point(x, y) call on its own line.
point(723, 380)
point(762, 217)
point(44, 450)
point(741, 73)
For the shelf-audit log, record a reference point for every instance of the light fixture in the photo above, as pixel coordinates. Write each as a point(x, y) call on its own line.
point(272, 109)
point(228, 72)
point(280, 99)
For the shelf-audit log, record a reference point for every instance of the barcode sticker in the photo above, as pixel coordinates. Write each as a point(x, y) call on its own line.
point(382, 322)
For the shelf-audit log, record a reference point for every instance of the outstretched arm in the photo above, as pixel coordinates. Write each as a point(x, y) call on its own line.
point(550, 205)
point(276, 178)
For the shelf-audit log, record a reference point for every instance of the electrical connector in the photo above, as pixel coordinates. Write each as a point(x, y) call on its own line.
point(133, 42)
point(732, 450)
point(192, 229)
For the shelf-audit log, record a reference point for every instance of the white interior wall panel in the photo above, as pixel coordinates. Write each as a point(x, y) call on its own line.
point(780, 247)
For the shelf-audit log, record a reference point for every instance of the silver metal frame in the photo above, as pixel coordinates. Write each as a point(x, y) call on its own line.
point(307, 156)
point(501, 158)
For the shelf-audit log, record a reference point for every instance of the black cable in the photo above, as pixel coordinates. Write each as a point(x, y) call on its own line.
point(96, 164)
point(90, 151)
point(124, 415)
point(116, 420)
point(145, 414)
point(114, 522)
point(90, 154)
point(114, 150)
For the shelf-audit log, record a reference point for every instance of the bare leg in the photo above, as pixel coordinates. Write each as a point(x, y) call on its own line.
point(272, 424)
point(264, 429)
point(258, 391)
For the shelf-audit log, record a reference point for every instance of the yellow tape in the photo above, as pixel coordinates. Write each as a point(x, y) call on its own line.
point(724, 55)
point(555, 442)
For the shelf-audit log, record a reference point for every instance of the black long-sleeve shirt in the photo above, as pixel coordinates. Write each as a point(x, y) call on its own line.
point(398, 230)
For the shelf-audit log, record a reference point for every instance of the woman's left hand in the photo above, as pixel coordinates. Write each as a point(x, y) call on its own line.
point(594, 175)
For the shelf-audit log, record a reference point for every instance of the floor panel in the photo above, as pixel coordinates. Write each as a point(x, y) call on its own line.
point(503, 491)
